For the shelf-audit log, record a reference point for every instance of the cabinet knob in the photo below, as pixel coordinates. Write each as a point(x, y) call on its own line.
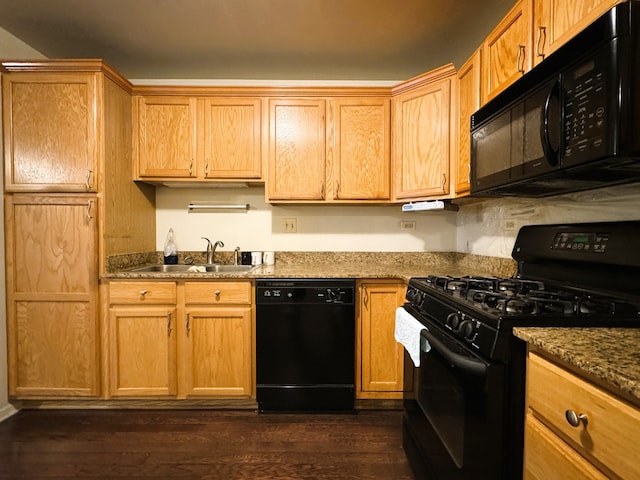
point(143, 293)
point(575, 419)
point(217, 293)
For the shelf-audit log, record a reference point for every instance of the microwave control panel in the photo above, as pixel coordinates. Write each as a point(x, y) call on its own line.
point(585, 110)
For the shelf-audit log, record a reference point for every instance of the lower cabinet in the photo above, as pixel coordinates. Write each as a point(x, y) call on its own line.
point(380, 359)
point(218, 346)
point(575, 429)
point(52, 296)
point(180, 340)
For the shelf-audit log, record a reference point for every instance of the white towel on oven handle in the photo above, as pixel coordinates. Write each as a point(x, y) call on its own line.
point(407, 333)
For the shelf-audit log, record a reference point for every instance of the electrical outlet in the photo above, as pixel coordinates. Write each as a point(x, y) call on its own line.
point(407, 225)
point(290, 225)
point(510, 225)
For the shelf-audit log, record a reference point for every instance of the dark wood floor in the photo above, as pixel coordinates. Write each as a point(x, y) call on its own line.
point(201, 444)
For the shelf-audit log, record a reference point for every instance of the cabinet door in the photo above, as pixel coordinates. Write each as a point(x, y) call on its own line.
point(468, 103)
point(232, 136)
point(50, 132)
point(422, 151)
point(296, 149)
point(52, 283)
point(142, 351)
point(556, 21)
point(506, 53)
point(218, 351)
point(359, 142)
point(381, 357)
point(166, 137)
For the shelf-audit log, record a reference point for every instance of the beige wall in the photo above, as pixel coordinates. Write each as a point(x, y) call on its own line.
point(11, 48)
point(342, 228)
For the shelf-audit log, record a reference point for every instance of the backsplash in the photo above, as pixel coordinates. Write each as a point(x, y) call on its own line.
point(489, 227)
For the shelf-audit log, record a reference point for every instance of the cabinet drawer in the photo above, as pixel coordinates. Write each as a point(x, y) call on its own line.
point(612, 433)
point(142, 292)
point(548, 457)
point(217, 292)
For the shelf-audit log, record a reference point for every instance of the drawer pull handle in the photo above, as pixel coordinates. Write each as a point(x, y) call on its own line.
point(217, 293)
point(575, 419)
point(143, 293)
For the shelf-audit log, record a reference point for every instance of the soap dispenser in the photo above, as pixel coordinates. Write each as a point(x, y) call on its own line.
point(170, 249)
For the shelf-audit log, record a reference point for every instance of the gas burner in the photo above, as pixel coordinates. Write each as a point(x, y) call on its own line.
point(514, 286)
point(518, 306)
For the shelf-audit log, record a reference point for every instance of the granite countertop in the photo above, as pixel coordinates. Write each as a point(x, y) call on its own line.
point(357, 265)
point(608, 356)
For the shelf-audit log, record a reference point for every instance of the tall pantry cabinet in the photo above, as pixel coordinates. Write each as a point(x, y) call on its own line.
point(69, 203)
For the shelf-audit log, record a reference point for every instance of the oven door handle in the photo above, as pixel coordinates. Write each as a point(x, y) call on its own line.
point(466, 364)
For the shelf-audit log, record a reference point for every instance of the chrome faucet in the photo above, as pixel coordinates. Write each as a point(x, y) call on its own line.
point(211, 249)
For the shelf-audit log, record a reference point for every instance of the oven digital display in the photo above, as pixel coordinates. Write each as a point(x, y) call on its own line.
point(581, 242)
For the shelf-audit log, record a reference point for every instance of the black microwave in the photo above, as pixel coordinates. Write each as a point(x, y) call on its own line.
point(572, 123)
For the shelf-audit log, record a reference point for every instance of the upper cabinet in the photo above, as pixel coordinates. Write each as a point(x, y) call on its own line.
point(166, 137)
point(329, 149)
point(468, 103)
point(359, 147)
point(556, 21)
point(297, 149)
point(232, 138)
point(506, 52)
point(50, 131)
point(179, 138)
point(424, 135)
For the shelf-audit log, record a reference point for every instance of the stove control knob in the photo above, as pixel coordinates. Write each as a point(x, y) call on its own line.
point(414, 296)
point(453, 321)
point(467, 329)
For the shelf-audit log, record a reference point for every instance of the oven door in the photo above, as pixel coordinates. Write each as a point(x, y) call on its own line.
point(454, 410)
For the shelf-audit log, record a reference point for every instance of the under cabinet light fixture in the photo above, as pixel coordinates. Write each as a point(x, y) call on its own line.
point(196, 207)
point(429, 206)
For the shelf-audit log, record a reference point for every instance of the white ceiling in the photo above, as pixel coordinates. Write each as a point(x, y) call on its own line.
point(257, 39)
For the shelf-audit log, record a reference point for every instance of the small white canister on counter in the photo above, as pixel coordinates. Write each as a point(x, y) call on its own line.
point(268, 258)
point(256, 258)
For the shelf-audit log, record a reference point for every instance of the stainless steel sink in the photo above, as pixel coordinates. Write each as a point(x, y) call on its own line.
point(205, 268)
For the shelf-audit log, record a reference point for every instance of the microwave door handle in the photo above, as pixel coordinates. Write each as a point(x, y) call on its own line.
point(550, 153)
point(466, 364)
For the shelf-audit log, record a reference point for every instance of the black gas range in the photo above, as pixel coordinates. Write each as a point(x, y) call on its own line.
point(464, 402)
point(482, 311)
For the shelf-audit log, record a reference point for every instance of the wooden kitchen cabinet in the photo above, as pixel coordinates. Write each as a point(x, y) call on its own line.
point(297, 149)
point(379, 369)
point(232, 137)
point(142, 339)
point(181, 340)
point(507, 52)
point(67, 131)
point(329, 150)
point(468, 103)
point(165, 137)
point(556, 21)
point(52, 305)
point(218, 339)
point(181, 138)
point(359, 149)
point(604, 447)
point(50, 131)
point(424, 126)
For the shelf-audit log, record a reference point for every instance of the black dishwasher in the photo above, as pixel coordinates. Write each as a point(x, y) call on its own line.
point(305, 345)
